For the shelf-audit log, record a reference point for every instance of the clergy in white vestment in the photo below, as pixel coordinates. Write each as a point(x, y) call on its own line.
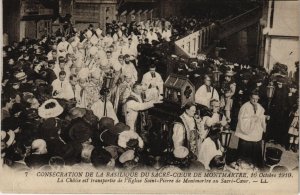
point(62, 88)
point(250, 128)
point(206, 93)
point(186, 130)
point(101, 109)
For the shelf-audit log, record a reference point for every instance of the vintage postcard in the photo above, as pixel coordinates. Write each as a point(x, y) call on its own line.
point(150, 96)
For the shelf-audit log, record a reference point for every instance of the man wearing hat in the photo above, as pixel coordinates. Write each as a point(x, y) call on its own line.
point(102, 158)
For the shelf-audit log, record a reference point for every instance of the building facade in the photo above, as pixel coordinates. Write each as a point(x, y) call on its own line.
point(27, 18)
point(280, 29)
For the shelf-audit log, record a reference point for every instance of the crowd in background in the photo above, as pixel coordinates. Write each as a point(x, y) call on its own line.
point(81, 97)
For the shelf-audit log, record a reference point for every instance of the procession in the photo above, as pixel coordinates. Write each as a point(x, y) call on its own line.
point(123, 99)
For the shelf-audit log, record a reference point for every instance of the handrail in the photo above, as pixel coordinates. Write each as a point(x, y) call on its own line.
point(240, 22)
point(206, 35)
point(241, 15)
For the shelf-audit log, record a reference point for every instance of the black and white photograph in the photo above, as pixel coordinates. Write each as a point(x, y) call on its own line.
point(150, 96)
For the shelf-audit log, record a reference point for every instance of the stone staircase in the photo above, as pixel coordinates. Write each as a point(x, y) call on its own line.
point(207, 38)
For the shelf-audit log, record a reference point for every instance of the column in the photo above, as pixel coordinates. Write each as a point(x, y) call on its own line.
point(200, 41)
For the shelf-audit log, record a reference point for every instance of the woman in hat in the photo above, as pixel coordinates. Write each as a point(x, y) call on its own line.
point(50, 128)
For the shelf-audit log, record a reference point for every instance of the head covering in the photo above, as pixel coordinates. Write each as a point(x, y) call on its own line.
point(217, 162)
point(181, 152)
point(126, 140)
point(80, 45)
point(119, 128)
point(20, 76)
point(113, 150)
point(94, 40)
point(90, 118)
point(83, 73)
point(74, 44)
point(87, 152)
point(16, 108)
point(98, 32)
point(89, 34)
point(294, 85)
point(50, 127)
point(38, 145)
point(96, 74)
point(56, 161)
point(93, 50)
point(50, 108)
point(280, 79)
point(8, 137)
point(273, 156)
point(80, 131)
point(100, 157)
point(108, 138)
point(127, 156)
point(77, 112)
point(71, 152)
point(106, 123)
point(246, 75)
point(10, 123)
point(229, 73)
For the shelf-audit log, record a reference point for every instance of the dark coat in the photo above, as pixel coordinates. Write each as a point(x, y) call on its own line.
point(37, 160)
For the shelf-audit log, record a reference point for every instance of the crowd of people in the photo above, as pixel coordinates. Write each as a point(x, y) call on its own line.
point(83, 98)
